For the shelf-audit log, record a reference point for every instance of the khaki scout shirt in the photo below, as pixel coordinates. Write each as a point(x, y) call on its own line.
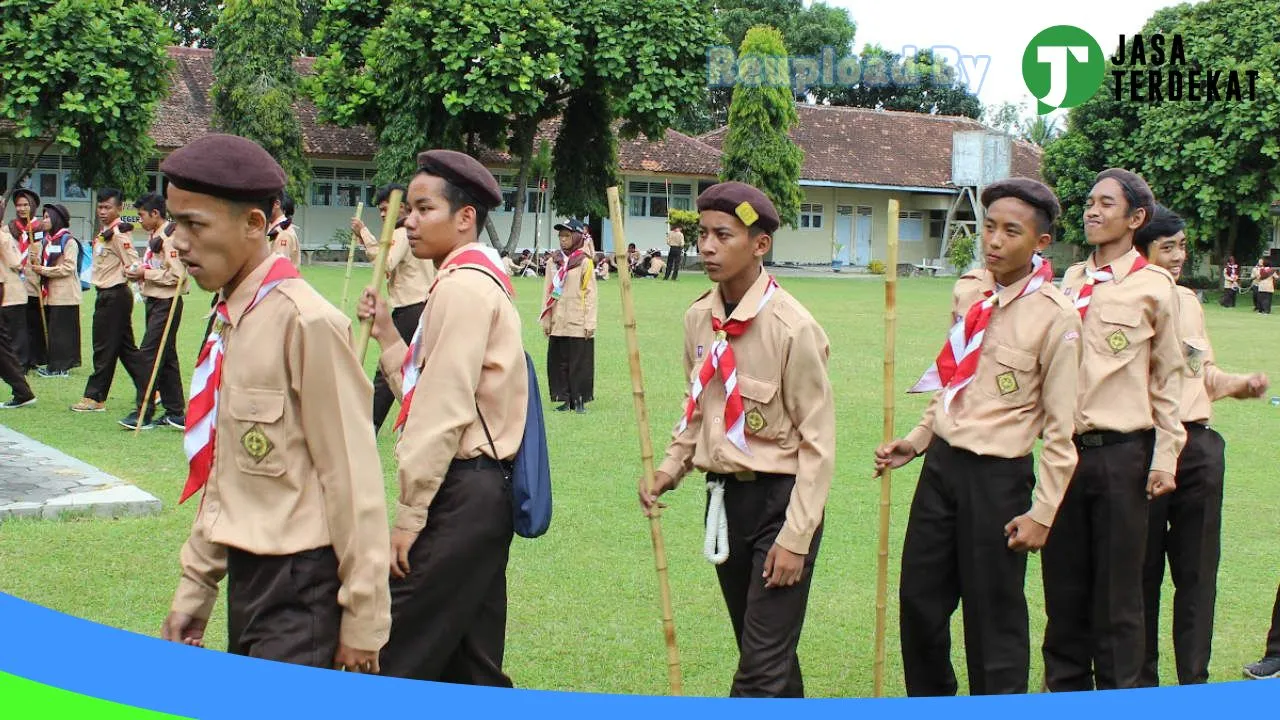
point(787, 398)
point(32, 280)
point(161, 281)
point(675, 239)
point(15, 291)
point(574, 314)
point(63, 278)
point(286, 242)
point(1131, 366)
point(112, 253)
point(295, 464)
point(408, 277)
point(1024, 386)
point(1267, 284)
point(459, 370)
point(1203, 382)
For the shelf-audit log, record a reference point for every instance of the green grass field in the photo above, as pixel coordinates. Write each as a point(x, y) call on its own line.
point(583, 599)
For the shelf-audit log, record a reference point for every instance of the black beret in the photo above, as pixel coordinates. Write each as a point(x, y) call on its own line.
point(573, 225)
point(1136, 186)
point(465, 172)
point(31, 196)
point(742, 201)
point(1032, 192)
point(225, 166)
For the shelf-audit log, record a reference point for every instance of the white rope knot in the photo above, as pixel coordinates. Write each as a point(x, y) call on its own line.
point(716, 544)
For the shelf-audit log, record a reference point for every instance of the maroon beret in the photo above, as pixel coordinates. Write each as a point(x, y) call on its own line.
point(742, 201)
point(1135, 185)
point(465, 172)
point(225, 166)
point(1032, 192)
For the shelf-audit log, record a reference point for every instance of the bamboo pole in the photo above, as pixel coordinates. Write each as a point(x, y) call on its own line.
point(890, 330)
point(164, 341)
point(380, 267)
point(646, 443)
point(351, 258)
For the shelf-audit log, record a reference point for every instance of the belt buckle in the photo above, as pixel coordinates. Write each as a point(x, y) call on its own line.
point(1091, 440)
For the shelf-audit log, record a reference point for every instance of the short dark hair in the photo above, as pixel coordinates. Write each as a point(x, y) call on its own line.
point(110, 194)
point(151, 202)
point(286, 204)
point(384, 193)
point(1164, 223)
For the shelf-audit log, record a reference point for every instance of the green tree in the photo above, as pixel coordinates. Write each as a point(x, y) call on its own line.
point(255, 82)
point(758, 149)
point(88, 75)
point(190, 20)
point(923, 83)
point(585, 159)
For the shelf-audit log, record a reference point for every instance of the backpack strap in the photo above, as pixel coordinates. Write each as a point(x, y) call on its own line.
point(484, 425)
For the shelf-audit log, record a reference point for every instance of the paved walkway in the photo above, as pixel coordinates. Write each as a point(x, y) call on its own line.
point(39, 481)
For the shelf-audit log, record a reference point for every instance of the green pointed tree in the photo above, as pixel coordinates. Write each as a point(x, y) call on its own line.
point(758, 149)
point(581, 177)
point(255, 83)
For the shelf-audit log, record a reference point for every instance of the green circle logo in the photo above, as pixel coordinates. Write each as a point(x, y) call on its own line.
point(1062, 67)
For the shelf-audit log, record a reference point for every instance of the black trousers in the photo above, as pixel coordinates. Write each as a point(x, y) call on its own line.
point(766, 621)
point(571, 369)
point(284, 607)
point(113, 341)
point(406, 321)
point(956, 550)
point(1092, 567)
point(15, 320)
point(449, 616)
point(1186, 526)
point(169, 378)
point(674, 256)
point(1229, 297)
point(11, 370)
point(1273, 637)
point(1264, 302)
point(37, 349)
point(64, 336)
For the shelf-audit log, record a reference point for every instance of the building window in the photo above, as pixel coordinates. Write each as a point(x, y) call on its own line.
point(72, 191)
point(911, 226)
point(341, 186)
point(653, 199)
point(810, 216)
point(937, 224)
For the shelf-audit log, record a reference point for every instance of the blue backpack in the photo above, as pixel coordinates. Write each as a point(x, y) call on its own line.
point(84, 261)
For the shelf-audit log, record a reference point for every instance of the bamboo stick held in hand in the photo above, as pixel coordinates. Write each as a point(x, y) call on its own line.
point(164, 342)
point(890, 330)
point(380, 268)
point(646, 443)
point(351, 258)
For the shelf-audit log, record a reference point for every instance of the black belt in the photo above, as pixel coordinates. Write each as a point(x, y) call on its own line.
point(1102, 438)
point(1198, 426)
point(747, 476)
point(481, 462)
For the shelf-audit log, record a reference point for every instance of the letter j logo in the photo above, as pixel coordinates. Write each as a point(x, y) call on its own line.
point(1063, 67)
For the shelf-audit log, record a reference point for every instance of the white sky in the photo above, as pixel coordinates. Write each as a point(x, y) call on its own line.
point(1000, 30)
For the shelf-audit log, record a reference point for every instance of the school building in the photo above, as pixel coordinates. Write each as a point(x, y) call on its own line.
point(855, 161)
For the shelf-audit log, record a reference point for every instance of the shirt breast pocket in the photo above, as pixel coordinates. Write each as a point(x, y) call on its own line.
point(257, 430)
point(1012, 377)
point(1120, 331)
point(763, 414)
point(1195, 350)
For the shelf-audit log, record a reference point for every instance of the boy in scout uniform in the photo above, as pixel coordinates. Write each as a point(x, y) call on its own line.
point(760, 421)
point(164, 282)
point(14, 295)
point(26, 228)
point(55, 263)
point(113, 341)
point(569, 319)
point(1128, 436)
point(1187, 525)
point(293, 510)
point(408, 279)
point(675, 253)
point(975, 516)
point(453, 525)
point(282, 234)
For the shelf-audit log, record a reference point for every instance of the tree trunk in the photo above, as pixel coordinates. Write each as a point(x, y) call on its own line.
point(492, 231)
point(25, 166)
point(524, 139)
point(1233, 231)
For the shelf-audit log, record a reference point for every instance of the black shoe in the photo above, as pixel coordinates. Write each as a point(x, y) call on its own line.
point(580, 407)
point(175, 421)
point(1267, 667)
point(562, 407)
point(16, 403)
point(47, 373)
point(131, 422)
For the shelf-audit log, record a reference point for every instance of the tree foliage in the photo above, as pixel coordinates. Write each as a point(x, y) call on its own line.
point(923, 83)
point(255, 82)
point(193, 21)
point(758, 149)
point(86, 74)
point(585, 159)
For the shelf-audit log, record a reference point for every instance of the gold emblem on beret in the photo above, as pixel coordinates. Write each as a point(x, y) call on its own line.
point(256, 444)
point(755, 421)
point(1117, 341)
point(1007, 383)
point(746, 213)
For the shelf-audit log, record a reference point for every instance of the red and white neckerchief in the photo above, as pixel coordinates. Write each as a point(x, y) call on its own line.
point(57, 241)
point(24, 243)
point(958, 361)
point(409, 369)
point(556, 288)
point(721, 360)
point(206, 382)
point(1100, 275)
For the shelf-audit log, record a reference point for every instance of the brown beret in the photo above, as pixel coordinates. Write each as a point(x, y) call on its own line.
point(58, 215)
point(31, 195)
point(1032, 192)
point(742, 201)
point(225, 166)
point(1135, 185)
point(465, 172)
